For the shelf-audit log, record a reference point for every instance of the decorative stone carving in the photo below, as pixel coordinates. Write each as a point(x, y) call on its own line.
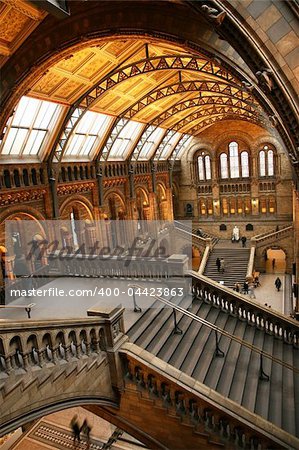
point(20, 197)
point(66, 189)
point(248, 86)
point(273, 120)
point(265, 81)
point(213, 14)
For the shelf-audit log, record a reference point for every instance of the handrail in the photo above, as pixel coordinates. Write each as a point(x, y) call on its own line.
point(204, 259)
point(250, 265)
point(219, 330)
point(272, 233)
point(239, 297)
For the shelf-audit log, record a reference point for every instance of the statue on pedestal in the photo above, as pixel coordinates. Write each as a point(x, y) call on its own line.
point(236, 234)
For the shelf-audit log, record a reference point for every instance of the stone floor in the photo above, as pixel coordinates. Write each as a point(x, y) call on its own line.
point(54, 306)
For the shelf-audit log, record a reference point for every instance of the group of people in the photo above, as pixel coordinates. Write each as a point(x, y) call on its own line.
point(247, 289)
point(220, 263)
point(77, 430)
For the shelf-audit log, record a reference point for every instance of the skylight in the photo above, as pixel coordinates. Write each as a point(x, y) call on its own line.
point(182, 146)
point(151, 143)
point(26, 131)
point(125, 141)
point(168, 145)
point(87, 135)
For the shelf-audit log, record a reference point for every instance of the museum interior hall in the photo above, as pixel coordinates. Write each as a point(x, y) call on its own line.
point(149, 224)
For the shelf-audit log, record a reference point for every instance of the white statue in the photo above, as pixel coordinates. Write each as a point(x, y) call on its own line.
point(236, 234)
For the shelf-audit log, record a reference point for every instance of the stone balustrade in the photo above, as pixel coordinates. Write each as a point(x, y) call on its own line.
point(266, 319)
point(198, 406)
point(271, 236)
point(26, 346)
point(12, 177)
point(114, 266)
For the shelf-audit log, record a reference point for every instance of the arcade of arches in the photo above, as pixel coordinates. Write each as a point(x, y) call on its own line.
point(150, 111)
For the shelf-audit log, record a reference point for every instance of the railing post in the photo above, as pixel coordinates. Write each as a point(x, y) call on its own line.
point(218, 352)
point(176, 329)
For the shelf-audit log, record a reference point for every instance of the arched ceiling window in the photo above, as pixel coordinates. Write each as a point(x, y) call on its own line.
point(32, 124)
point(124, 143)
point(151, 143)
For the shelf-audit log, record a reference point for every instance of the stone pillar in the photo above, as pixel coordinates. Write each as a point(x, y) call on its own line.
point(53, 182)
point(216, 200)
point(169, 215)
point(115, 337)
point(100, 176)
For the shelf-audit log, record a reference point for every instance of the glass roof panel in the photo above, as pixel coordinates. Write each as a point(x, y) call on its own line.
point(170, 145)
point(32, 122)
point(151, 143)
point(182, 146)
point(125, 141)
point(87, 135)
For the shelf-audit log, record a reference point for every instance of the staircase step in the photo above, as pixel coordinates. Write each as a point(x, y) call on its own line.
point(275, 411)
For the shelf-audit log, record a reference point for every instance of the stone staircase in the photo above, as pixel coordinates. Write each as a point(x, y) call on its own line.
point(183, 226)
point(236, 263)
point(236, 375)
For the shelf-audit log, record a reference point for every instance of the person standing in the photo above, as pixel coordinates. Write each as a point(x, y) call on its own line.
point(245, 287)
point(243, 239)
point(273, 263)
point(222, 265)
point(218, 264)
point(278, 283)
point(85, 429)
point(75, 429)
point(237, 287)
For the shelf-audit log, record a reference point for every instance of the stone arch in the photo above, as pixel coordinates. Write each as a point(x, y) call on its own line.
point(79, 201)
point(115, 204)
point(269, 252)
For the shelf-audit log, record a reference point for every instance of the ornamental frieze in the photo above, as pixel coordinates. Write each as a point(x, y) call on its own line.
point(21, 196)
point(114, 182)
point(66, 189)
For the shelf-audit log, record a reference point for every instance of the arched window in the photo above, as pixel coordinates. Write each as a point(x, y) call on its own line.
point(208, 167)
point(244, 165)
point(234, 164)
point(201, 172)
point(266, 162)
point(262, 163)
point(223, 166)
point(270, 164)
point(204, 167)
point(234, 160)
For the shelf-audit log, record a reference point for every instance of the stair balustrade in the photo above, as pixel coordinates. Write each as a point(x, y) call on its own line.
point(222, 420)
point(271, 236)
point(266, 319)
point(38, 343)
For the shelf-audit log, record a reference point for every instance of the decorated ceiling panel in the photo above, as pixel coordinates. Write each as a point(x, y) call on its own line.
point(150, 83)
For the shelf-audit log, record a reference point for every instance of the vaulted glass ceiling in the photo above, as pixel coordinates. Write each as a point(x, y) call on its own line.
point(30, 127)
point(30, 130)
